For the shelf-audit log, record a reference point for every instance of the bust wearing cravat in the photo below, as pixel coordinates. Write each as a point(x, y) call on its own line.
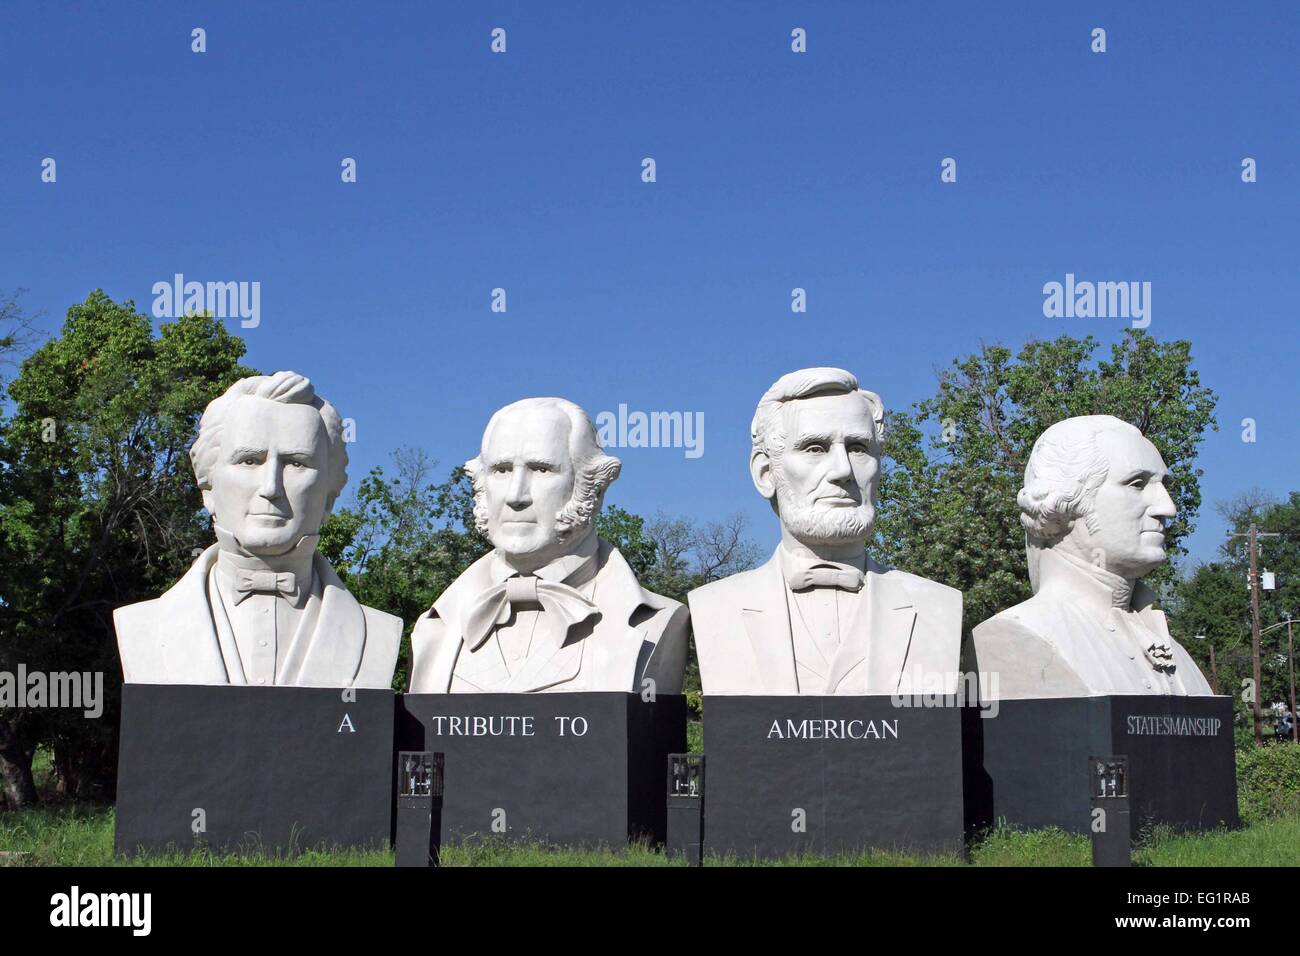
point(552, 607)
point(261, 607)
point(1094, 507)
point(821, 617)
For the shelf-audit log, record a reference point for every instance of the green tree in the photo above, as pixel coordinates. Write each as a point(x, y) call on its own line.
point(98, 507)
point(403, 540)
point(1212, 602)
point(954, 462)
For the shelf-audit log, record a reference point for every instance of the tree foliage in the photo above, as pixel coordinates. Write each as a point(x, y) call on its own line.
point(98, 506)
point(954, 462)
point(1213, 601)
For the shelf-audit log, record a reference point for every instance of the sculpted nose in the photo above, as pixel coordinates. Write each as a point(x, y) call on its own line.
point(1163, 507)
point(270, 479)
point(518, 496)
point(838, 468)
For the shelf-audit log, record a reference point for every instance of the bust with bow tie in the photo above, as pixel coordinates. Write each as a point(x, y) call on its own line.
point(552, 607)
point(1094, 508)
point(821, 617)
point(261, 607)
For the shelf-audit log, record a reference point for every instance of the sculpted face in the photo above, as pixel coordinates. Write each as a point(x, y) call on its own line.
point(528, 478)
point(270, 484)
point(1129, 511)
point(825, 478)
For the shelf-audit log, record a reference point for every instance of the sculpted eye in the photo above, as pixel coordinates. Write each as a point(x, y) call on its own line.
point(248, 461)
point(859, 449)
point(814, 448)
point(501, 469)
point(1138, 483)
point(296, 464)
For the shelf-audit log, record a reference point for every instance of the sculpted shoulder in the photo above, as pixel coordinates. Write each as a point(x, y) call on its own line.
point(136, 625)
point(1013, 648)
point(383, 644)
point(661, 616)
point(726, 593)
point(924, 588)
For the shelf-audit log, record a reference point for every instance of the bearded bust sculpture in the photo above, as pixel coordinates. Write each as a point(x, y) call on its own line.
point(261, 607)
point(1094, 508)
point(821, 617)
point(552, 607)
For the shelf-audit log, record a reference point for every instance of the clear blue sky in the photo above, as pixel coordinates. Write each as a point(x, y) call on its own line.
point(775, 170)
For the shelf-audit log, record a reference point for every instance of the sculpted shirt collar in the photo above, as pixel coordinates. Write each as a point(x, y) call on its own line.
point(232, 558)
point(1108, 590)
point(574, 569)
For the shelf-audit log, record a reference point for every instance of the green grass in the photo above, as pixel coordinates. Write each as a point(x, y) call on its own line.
point(67, 835)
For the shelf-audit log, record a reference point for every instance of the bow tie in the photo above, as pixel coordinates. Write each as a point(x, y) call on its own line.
point(562, 607)
point(264, 582)
point(812, 574)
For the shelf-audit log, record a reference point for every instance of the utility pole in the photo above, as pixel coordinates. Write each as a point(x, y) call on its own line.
point(1253, 536)
point(1290, 654)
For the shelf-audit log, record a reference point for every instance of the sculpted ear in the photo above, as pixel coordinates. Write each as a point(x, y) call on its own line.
point(760, 469)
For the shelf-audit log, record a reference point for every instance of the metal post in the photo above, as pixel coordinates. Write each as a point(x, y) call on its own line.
point(1254, 639)
point(1112, 829)
point(419, 808)
point(1290, 653)
point(686, 807)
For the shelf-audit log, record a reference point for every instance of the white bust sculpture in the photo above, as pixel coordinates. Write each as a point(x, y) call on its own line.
point(261, 607)
point(552, 607)
point(1094, 508)
point(821, 617)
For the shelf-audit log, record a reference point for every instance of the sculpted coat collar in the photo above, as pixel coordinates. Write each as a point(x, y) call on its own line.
point(881, 645)
point(574, 569)
point(1112, 600)
point(614, 588)
point(1100, 588)
point(193, 653)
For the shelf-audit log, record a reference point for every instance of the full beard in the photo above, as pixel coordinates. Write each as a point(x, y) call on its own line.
point(824, 526)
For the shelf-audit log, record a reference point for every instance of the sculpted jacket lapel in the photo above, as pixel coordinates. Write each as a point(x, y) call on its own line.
point(547, 665)
point(767, 625)
point(329, 654)
point(854, 647)
point(892, 614)
point(191, 651)
point(616, 652)
point(484, 668)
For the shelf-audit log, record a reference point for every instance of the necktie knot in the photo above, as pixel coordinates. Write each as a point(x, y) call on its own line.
point(249, 582)
point(561, 604)
point(822, 575)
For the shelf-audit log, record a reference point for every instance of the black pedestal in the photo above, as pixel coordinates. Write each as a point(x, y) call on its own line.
point(268, 767)
point(830, 775)
point(575, 769)
point(1028, 765)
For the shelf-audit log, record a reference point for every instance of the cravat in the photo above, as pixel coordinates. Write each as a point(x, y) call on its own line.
point(264, 582)
point(562, 607)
